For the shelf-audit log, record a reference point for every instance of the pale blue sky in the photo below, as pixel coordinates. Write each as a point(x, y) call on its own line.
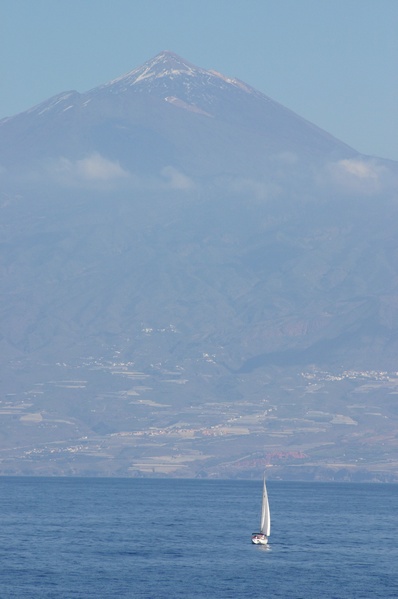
point(334, 62)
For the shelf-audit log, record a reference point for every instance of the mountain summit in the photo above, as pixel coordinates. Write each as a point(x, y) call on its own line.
point(156, 76)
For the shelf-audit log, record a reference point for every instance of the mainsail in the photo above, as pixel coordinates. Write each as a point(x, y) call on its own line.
point(265, 526)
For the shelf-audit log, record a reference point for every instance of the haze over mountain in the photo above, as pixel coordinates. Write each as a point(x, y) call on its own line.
point(192, 274)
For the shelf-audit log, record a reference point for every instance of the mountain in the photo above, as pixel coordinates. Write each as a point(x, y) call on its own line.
point(166, 112)
point(195, 282)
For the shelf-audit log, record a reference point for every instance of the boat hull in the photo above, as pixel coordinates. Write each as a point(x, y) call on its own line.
point(259, 539)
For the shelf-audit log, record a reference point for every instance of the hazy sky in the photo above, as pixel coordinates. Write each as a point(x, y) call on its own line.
point(334, 62)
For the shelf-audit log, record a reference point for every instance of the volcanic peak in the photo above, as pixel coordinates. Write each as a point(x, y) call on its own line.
point(169, 65)
point(164, 64)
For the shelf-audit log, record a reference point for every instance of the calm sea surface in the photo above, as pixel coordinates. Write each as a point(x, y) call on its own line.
point(67, 538)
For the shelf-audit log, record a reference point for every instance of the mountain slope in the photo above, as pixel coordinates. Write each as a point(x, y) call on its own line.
point(185, 259)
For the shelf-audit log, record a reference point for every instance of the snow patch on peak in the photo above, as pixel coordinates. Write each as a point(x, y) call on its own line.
point(236, 82)
point(167, 65)
point(56, 102)
point(164, 64)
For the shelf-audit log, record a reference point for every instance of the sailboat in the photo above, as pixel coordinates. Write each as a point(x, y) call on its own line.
point(261, 538)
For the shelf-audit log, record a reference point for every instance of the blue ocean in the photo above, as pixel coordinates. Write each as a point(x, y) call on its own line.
point(164, 538)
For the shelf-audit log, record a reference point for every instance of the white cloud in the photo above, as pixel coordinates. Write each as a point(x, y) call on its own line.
point(360, 169)
point(175, 179)
point(97, 171)
point(94, 168)
point(98, 168)
point(362, 175)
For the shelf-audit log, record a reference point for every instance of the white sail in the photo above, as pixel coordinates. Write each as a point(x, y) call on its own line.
point(265, 526)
